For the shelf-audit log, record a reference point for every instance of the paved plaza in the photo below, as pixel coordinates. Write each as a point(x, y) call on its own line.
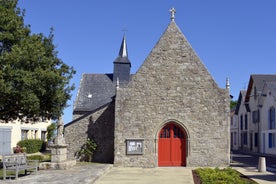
point(88, 173)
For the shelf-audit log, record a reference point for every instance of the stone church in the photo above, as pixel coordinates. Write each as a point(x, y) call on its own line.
point(170, 112)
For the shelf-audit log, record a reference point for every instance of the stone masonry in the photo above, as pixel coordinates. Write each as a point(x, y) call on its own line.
point(173, 85)
point(97, 125)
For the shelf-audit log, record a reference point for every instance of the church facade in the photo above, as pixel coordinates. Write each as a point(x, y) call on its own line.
point(170, 112)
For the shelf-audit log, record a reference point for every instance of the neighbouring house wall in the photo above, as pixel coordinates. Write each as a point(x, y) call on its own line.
point(98, 126)
point(33, 130)
point(234, 131)
point(268, 102)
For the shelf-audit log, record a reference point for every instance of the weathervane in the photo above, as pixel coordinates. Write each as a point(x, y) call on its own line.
point(173, 11)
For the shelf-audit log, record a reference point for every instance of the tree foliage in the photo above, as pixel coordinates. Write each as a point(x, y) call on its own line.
point(51, 131)
point(233, 104)
point(34, 82)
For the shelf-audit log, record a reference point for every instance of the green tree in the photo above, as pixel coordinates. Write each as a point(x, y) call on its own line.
point(233, 104)
point(51, 129)
point(34, 82)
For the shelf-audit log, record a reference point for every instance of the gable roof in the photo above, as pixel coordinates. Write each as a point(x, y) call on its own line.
point(174, 53)
point(95, 91)
point(258, 80)
point(240, 101)
point(272, 88)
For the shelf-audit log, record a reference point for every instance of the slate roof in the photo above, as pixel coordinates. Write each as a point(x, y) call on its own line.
point(240, 101)
point(259, 81)
point(272, 87)
point(96, 90)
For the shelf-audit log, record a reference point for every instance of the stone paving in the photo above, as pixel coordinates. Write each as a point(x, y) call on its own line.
point(120, 175)
point(88, 173)
point(82, 173)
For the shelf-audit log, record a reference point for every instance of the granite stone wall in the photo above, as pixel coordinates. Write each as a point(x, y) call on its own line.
point(173, 85)
point(98, 126)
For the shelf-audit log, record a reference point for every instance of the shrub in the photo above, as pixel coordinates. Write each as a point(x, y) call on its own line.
point(32, 145)
point(35, 157)
point(227, 175)
point(86, 151)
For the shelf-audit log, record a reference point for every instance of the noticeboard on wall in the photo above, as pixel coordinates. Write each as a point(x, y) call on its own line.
point(134, 146)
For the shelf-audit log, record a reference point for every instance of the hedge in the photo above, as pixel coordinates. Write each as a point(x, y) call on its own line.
point(32, 145)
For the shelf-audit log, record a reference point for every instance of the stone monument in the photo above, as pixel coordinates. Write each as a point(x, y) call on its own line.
point(58, 151)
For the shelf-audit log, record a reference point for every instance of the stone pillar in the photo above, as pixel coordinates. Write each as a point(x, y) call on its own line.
point(58, 151)
point(262, 164)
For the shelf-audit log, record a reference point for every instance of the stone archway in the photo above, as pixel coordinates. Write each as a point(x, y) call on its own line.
point(172, 146)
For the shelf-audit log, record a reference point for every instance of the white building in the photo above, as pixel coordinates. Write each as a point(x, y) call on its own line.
point(13, 132)
point(256, 115)
point(234, 130)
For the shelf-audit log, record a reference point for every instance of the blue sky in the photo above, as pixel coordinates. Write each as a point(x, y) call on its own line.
point(233, 38)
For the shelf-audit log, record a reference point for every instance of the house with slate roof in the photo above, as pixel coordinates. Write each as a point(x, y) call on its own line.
point(256, 115)
point(170, 112)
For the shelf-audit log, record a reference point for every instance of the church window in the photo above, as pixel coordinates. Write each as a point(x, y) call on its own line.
point(165, 132)
point(177, 132)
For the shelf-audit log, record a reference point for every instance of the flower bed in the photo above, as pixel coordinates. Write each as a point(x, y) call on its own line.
point(213, 176)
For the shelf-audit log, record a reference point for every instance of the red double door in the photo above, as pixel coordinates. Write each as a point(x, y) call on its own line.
point(172, 146)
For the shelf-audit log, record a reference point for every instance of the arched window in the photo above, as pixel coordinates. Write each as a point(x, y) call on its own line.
point(271, 118)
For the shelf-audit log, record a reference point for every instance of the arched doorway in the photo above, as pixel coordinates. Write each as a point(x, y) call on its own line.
point(172, 146)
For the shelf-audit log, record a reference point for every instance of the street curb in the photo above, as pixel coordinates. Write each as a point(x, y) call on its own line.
point(101, 174)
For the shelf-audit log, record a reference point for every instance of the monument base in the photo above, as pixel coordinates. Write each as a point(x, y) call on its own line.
point(64, 165)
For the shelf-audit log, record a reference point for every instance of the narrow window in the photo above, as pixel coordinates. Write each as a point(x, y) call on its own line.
point(271, 118)
point(272, 140)
point(43, 135)
point(235, 138)
point(256, 140)
point(24, 134)
point(245, 121)
point(245, 138)
point(241, 122)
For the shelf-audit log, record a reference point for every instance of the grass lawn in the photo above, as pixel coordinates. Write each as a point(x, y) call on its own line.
point(220, 176)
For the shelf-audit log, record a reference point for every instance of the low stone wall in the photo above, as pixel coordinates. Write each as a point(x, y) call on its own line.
point(64, 165)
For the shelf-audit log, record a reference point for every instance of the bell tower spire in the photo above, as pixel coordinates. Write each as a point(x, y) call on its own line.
point(123, 49)
point(122, 65)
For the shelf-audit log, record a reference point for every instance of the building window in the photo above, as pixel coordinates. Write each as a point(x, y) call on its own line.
point(241, 122)
point(24, 134)
point(271, 118)
point(235, 138)
point(256, 140)
point(255, 93)
point(35, 134)
point(43, 135)
point(245, 121)
point(271, 140)
point(245, 138)
point(255, 116)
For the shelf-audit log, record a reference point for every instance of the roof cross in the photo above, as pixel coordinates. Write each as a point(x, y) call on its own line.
point(173, 11)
